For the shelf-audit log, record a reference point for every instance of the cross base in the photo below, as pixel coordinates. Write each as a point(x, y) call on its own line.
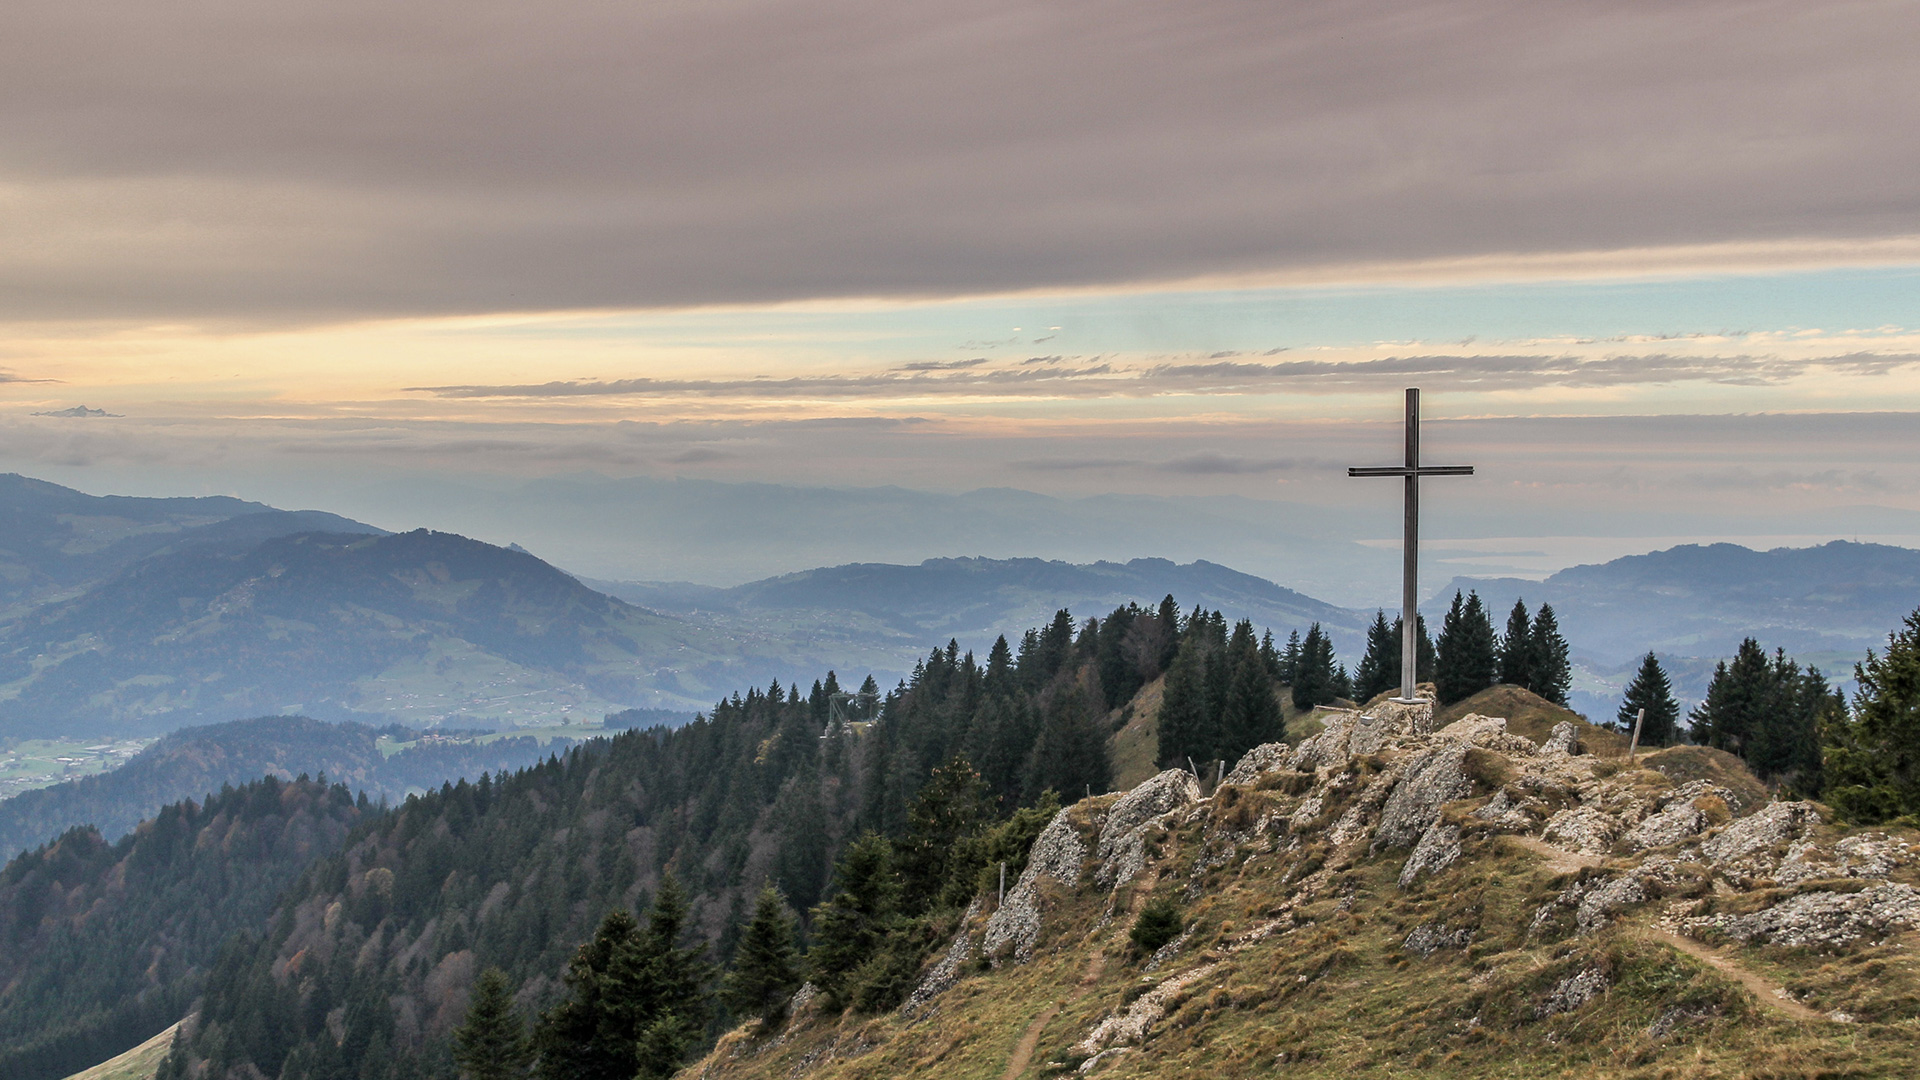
point(1411, 701)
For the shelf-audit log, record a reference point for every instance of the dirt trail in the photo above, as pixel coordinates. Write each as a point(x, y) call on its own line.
point(1096, 965)
point(1557, 860)
point(1770, 993)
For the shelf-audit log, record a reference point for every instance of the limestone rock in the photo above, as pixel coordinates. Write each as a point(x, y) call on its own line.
point(1775, 824)
point(1562, 740)
point(941, 977)
point(1438, 776)
point(1123, 839)
point(1677, 822)
point(1438, 848)
point(1265, 758)
point(1430, 938)
point(1871, 855)
point(1583, 830)
point(1822, 919)
point(1572, 992)
point(1056, 855)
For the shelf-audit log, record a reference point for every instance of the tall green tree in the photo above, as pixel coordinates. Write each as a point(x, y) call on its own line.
point(584, 1036)
point(1378, 671)
point(1651, 691)
point(1466, 662)
point(1516, 647)
point(952, 805)
point(1070, 755)
point(1184, 728)
point(1769, 711)
point(765, 970)
point(851, 926)
point(1314, 681)
point(1252, 713)
point(1550, 671)
point(1873, 755)
point(491, 1044)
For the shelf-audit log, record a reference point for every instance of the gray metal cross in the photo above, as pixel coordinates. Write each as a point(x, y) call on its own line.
point(1410, 555)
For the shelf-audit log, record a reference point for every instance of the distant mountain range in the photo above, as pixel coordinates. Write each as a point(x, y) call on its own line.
point(1698, 600)
point(196, 761)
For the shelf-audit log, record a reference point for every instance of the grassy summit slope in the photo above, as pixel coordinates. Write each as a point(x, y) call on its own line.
point(1380, 902)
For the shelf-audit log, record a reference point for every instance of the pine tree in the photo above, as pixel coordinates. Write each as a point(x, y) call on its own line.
point(765, 973)
point(582, 1038)
point(1467, 661)
point(1651, 691)
point(1379, 669)
point(1516, 648)
point(850, 927)
point(1873, 756)
point(1550, 671)
point(1252, 714)
point(492, 1043)
point(1313, 682)
point(1290, 658)
point(952, 805)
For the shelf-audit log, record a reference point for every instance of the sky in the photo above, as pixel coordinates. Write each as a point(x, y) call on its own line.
point(1653, 265)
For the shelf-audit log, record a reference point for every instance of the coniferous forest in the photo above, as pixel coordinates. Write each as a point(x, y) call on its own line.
point(821, 834)
point(609, 911)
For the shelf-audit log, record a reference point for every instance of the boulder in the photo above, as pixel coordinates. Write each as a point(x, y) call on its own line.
point(1015, 927)
point(1123, 838)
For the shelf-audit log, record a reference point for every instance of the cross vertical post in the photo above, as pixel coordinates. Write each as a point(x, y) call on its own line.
point(1411, 472)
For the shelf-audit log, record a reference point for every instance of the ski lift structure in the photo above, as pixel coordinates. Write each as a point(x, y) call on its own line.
point(851, 710)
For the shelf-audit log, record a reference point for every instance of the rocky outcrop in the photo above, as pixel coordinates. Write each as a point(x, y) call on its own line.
point(941, 977)
point(1774, 825)
point(1822, 920)
point(1265, 758)
point(1123, 838)
point(1434, 778)
point(1056, 856)
point(1439, 848)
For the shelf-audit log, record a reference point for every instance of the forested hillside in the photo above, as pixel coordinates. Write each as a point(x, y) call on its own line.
point(101, 945)
point(367, 966)
point(192, 762)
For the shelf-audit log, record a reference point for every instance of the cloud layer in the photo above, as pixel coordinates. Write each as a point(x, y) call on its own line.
point(207, 158)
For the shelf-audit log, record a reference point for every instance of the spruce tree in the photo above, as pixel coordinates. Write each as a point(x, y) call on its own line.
point(1735, 697)
point(1467, 661)
point(492, 1043)
point(1551, 672)
point(952, 805)
point(1070, 754)
point(583, 1037)
point(1313, 682)
point(1252, 714)
point(1185, 727)
point(1873, 755)
point(765, 973)
point(850, 928)
point(1290, 658)
point(1651, 691)
point(1379, 669)
point(1516, 648)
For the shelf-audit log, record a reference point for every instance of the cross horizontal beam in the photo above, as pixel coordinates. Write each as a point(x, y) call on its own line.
point(1401, 470)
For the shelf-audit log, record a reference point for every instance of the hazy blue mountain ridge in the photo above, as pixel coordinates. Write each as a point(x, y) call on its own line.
point(191, 762)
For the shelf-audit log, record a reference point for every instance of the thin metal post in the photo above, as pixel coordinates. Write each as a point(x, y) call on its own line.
point(1410, 555)
point(1003, 882)
point(1634, 746)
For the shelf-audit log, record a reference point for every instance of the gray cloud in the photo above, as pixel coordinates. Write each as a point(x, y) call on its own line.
point(359, 157)
point(1496, 372)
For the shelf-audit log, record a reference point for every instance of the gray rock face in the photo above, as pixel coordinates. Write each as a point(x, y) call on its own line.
point(1872, 855)
point(1561, 740)
point(1438, 848)
point(1822, 919)
point(1434, 778)
point(1123, 839)
point(1430, 938)
point(941, 977)
point(1773, 825)
point(1057, 855)
point(1677, 822)
point(1572, 992)
point(1265, 758)
point(1584, 830)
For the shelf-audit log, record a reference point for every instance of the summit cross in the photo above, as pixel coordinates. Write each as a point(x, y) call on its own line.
point(1412, 471)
